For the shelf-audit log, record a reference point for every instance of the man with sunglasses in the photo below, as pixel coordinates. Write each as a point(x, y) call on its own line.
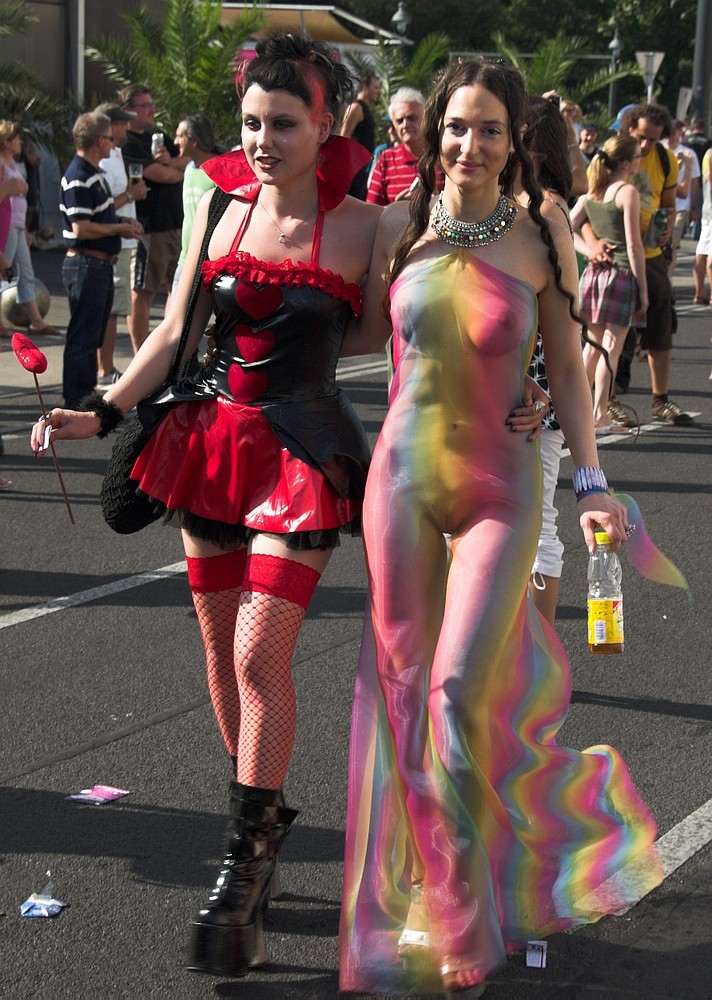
point(92, 233)
point(396, 169)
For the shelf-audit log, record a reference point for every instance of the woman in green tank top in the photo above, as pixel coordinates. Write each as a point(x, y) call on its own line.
point(613, 295)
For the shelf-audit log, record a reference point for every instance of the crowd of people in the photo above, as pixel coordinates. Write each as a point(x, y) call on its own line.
point(469, 829)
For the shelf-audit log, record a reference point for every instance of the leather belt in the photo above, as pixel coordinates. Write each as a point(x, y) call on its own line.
point(99, 254)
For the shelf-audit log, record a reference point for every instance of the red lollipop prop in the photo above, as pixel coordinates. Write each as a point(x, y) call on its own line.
point(30, 357)
point(33, 360)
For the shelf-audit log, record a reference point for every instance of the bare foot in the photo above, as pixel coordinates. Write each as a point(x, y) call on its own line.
point(464, 980)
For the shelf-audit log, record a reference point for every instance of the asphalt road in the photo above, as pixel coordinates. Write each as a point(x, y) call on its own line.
point(102, 681)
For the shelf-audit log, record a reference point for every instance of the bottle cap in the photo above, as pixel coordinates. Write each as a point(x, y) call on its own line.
point(602, 538)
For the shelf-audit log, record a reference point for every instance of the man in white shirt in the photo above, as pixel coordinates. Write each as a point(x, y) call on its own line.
point(115, 170)
point(688, 187)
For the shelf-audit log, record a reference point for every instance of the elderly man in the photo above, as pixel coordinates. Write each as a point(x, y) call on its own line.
point(92, 233)
point(396, 169)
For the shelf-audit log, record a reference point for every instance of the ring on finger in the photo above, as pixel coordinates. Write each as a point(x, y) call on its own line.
point(629, 529)
point(539, 407)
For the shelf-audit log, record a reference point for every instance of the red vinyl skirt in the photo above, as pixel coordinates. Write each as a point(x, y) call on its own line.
point(220, 461)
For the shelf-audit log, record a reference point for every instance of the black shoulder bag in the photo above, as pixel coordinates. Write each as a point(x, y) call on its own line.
point(124, 509)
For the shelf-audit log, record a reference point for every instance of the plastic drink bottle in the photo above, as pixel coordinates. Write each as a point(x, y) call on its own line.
point(605, 598)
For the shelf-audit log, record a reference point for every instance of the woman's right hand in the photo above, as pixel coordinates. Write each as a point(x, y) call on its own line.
point(69, 425)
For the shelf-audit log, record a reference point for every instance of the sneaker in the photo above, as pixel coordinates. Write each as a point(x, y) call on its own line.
point(670, 413)
point(104, 381)
point(625, 416)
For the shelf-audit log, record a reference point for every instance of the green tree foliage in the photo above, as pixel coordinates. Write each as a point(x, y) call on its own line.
point(556, 65)
point(645, 25)
point(22, 96)
point(187, 60)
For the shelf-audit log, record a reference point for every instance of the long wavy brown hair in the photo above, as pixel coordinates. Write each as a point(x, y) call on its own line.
point(507, 84)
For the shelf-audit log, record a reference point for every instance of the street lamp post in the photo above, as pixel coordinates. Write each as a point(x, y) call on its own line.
point(615, 47)
point(401, 20)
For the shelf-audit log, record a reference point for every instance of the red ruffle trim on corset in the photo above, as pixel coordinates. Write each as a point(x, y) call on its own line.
point(245, 267)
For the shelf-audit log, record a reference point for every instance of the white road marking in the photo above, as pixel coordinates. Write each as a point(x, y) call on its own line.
point(84, 596)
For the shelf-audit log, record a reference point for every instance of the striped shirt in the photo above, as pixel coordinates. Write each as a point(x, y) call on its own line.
point(396, 169)
point(86, 198)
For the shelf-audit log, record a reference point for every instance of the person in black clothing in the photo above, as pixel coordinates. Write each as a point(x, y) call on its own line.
point(359, 124)
point(161, 214)
point(588, 142)
point(696, 139)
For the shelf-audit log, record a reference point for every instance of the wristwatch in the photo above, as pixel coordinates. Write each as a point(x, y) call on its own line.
point(129, 198)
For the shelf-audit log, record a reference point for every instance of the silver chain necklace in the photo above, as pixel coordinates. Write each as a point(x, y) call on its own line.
point(473, 234)
point(283, 237)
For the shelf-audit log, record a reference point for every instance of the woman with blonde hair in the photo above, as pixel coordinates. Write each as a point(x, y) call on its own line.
point(613, 295)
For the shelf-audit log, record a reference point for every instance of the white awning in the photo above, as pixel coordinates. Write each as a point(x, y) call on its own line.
point(325, 24)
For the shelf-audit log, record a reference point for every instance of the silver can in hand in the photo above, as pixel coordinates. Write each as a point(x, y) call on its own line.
point(157, 142)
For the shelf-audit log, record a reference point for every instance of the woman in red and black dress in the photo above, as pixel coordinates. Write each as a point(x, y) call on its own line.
point(261, 457)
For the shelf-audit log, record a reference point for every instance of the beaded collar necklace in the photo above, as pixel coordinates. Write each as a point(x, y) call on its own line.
point(473, 234)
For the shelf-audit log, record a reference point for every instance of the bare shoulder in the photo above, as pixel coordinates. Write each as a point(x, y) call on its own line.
point(354, 215)
point(349, 235)
point(394, 221)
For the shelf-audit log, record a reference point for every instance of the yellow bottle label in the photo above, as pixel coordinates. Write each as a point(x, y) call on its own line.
point(605, 622)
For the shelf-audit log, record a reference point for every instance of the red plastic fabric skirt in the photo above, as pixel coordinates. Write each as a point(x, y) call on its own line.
point(220, 461)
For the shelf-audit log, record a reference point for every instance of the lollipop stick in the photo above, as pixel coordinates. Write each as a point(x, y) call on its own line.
point(54, 454)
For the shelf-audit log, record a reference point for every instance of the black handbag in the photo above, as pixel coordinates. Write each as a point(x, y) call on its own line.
point(125, 509)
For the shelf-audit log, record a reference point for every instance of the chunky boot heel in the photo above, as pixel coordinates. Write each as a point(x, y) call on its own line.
point(227, 936)
point(227, 950)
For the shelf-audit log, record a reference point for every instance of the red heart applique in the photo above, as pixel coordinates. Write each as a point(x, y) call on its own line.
point(253, 345)
point(245, 385)
point(258, 301)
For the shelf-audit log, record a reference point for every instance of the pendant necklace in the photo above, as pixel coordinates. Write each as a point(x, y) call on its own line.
point(473, 234)
point(283, 237)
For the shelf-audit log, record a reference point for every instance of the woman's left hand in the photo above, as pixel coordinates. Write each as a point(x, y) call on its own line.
point(600, 510)
point(529, 417)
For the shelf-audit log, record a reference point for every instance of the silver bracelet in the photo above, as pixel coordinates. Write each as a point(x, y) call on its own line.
point(589, 479)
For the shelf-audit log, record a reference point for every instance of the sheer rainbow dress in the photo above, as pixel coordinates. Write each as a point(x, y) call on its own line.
point(461, 687)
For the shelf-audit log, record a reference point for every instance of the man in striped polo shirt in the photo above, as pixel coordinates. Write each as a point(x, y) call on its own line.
point(92, 233)
point(397, 168)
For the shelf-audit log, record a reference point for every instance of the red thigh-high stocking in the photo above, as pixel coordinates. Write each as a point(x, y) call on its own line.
point(275, 596)
point(216, 583)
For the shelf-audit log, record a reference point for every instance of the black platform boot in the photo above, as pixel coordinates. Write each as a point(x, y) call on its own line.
point(275, 886)
point(227, 935)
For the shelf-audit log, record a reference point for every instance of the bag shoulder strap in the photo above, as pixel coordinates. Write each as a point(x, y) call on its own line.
point(664, 159)
point(218, 203)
